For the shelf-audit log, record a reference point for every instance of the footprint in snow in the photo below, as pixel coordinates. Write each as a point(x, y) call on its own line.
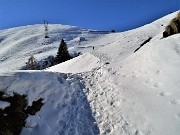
point(110, 69)
point(106, 128)
point(101, 93)
point(61, 124)
point(66, 95)
point(158, 71)
point(134, 76)
point(123, 75)
point(174, 102)
point(64, 105)
point(156, 85)
point(73, 101)
point(148, 81)
point(114, 73)
point(163, 94)
point(138, 132)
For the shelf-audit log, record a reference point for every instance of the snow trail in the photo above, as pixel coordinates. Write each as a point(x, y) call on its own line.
point(105, 100)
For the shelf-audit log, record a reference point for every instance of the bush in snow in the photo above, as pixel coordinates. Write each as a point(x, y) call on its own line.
point(173, 27)
point(75, 54)
point(32, 64)
point(13, 117)
point(62, 54)
point(47, 62)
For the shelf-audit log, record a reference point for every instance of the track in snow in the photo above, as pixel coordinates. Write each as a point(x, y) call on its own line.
point(105, 100)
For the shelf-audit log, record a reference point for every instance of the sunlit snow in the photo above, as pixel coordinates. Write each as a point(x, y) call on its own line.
point(108, 89)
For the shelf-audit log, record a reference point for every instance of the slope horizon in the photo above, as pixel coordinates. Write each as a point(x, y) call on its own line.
point(90, 28)
point(117, 15)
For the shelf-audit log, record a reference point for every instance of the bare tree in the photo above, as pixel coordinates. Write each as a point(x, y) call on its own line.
point(32, 64)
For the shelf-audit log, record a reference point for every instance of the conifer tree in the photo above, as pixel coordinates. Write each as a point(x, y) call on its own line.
point(62, 54)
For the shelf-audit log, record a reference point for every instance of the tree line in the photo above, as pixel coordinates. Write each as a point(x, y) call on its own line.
point(61, 56)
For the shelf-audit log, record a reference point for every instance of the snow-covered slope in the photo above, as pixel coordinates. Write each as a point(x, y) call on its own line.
point(84, 63)
point(18, 44)
point(116, 91)
point(139, 92)
point(149, 82)
point(66, 109)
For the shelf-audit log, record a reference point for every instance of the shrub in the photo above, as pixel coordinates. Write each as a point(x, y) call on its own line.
point(173, 27)
point(32, 64)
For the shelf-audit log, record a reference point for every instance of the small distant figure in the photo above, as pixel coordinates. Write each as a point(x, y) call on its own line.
point(93, 47)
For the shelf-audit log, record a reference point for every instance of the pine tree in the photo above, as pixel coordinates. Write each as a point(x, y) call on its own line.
point(62, 54)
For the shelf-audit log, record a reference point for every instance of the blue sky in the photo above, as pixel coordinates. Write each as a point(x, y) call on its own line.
point(120, 15)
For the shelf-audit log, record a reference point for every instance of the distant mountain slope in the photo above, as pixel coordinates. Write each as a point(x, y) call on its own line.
point(121, 45)
point(18, 44)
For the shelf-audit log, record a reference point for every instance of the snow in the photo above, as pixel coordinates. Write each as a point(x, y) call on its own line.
point(65, 110)
point(83, 63)
point(149, 80)
point(4, 104)
point(19, 44)
point(106, 90)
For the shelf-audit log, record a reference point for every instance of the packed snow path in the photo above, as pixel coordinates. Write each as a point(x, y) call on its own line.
point(105, 100)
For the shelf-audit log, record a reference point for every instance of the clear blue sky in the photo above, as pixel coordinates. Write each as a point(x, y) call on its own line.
point(120, 15)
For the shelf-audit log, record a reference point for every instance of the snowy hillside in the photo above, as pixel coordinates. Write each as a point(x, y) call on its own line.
point(111, 89)
point(18, 44)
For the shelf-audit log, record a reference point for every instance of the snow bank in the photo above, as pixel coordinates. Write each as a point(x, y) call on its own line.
point(149, 82)
point(83, 63)
point(65, 110)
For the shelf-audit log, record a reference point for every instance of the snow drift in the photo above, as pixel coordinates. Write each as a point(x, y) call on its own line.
point(83, 63)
